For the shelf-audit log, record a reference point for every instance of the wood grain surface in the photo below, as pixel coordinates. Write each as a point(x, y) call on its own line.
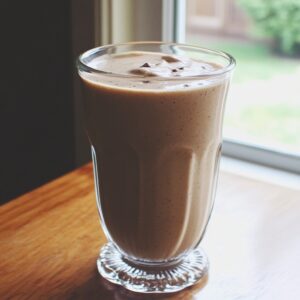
point(50, 238)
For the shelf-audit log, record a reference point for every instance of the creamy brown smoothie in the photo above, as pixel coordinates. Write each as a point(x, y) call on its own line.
point(156, 141)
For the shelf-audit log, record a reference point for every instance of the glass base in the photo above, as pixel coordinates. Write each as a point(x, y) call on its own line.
point(152, 279)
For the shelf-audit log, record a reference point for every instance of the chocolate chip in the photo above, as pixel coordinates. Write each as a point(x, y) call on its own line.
point(174, 70)
point(186, 85)
point(145, 65)
point(146, 81)
point(181, 68)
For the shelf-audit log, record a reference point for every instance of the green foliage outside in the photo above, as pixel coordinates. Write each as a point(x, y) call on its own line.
point(279, 19)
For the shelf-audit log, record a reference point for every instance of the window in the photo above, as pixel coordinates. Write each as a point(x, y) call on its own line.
point(262, 119)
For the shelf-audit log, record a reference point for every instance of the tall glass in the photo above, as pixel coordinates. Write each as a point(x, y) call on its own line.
point(156, 152)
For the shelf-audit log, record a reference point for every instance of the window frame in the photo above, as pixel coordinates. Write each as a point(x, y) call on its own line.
point(258, 154)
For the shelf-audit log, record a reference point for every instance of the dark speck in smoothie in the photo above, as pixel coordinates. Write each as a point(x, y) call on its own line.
point(145, 65)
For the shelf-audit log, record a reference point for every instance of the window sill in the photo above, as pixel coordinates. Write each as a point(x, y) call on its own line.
point(259, 172)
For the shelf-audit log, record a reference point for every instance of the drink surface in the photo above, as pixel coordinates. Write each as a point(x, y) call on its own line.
point(156, 144)
point(150, 70)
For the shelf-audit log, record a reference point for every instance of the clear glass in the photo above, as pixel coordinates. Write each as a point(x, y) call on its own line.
point(156, 155)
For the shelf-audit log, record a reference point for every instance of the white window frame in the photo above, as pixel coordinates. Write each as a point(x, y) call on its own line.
point(165, 20)
point(260, 155)
point(173, 20)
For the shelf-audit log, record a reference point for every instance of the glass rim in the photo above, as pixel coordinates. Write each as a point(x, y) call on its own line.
point(82, 66)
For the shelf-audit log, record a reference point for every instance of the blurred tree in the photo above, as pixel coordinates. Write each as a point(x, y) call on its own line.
point(279, 19)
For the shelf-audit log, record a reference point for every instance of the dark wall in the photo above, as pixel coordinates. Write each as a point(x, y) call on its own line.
point(36, 106)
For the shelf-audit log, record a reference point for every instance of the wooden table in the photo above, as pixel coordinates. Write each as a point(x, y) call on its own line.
point(50, 240)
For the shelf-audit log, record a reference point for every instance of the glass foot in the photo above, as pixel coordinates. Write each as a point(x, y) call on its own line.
point(171, 278)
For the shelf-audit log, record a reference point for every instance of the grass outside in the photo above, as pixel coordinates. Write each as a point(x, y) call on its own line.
point(263, 105)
